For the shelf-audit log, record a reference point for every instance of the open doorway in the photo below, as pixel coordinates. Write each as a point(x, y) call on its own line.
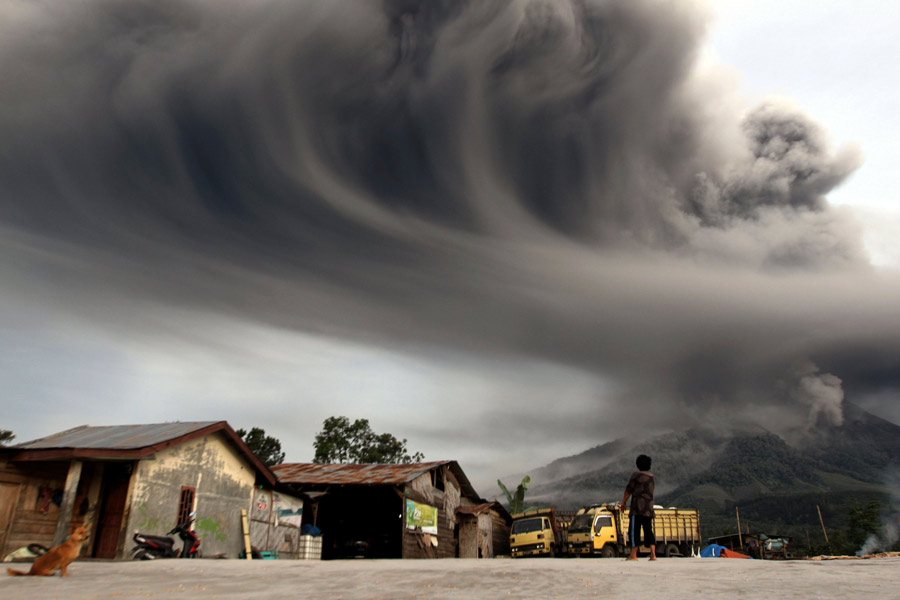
point(113, 494)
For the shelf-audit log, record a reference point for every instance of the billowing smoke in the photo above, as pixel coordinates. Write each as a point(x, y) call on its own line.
point(522, 178)
point(881, 542)
point(822, 392)
point(303, 126)
point(888, 535)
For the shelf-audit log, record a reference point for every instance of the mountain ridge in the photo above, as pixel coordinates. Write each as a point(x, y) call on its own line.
point(777, 481)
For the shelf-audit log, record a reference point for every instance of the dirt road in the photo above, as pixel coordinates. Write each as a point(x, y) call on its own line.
point(671, 578)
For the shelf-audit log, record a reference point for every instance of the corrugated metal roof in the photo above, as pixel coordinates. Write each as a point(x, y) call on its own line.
point(115, 436)
point(487, 507)
point(338, 474)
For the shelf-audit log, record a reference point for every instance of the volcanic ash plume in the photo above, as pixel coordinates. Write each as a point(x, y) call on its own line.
point(550, 179)
point(307, 124)
point(822, 392)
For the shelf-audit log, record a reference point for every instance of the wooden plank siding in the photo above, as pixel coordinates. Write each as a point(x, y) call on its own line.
point(499, 534)
point(417, 544)
point(35, 515)
point(468, 536)
point(440, 489)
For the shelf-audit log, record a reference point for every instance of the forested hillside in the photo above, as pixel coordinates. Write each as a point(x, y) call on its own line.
point(775, 482)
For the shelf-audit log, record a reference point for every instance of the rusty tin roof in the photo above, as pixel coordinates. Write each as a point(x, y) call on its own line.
point(478, 509)
point(122, 437)
point(314, 474)
point(113, 442)
point(341, 474)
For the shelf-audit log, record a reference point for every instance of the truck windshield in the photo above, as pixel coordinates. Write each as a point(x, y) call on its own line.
point(581, 524)
point(526, 525)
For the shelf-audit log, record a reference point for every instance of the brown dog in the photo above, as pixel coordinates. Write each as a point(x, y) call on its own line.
point(57, 557)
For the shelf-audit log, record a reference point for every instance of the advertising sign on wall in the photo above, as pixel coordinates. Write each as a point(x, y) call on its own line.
point(288, 511)
point(421, 516)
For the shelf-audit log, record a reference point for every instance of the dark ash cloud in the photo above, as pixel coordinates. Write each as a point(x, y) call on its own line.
point(527, 178)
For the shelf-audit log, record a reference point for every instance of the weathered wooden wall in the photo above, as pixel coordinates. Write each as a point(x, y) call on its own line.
point(468, 536)
point(271, 531)
point(28, 513)
point(426, 488)
point(485, 536)
point(499, 535)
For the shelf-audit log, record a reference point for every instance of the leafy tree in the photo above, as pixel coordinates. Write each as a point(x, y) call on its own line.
point(341, 441)
point(864, 519)
point(6, 436)
point(516, 501)
point(266, 448)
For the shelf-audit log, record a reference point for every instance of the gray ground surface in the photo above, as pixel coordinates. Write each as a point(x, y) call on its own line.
point(671, 578)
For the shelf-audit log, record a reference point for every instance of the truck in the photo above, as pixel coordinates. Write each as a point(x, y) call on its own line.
point(602, 530)
point(537, 532)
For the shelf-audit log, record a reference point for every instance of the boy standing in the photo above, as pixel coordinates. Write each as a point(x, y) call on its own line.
point(640, 488)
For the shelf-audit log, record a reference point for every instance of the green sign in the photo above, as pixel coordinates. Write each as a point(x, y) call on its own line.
point(421, 516)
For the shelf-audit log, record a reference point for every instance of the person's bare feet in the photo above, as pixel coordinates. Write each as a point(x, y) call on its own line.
point(631, 558)
point(652, 558)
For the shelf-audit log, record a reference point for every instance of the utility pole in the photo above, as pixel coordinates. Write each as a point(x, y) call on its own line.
point(822, 521)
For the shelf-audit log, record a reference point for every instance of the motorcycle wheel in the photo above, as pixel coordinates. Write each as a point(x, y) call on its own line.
point(37, 549)
point(143, 555)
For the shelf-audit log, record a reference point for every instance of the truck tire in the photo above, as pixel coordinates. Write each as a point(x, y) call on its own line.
point(672, 550)
point(608, 552)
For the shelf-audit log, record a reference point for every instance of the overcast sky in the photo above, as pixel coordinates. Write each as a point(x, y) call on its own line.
point(506, 231)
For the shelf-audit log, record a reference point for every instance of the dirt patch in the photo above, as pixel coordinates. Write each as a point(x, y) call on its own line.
point(524, 578)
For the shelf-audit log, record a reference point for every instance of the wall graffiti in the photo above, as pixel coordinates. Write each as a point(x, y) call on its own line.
point(147, 522)
point(210, 527)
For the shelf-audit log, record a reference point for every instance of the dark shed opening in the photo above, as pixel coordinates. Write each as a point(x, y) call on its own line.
point(361, 522)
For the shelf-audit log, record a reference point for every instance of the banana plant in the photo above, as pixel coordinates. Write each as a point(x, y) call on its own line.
point(516, 501)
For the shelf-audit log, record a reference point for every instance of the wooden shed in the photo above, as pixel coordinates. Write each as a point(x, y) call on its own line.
point(483, 530)
point(118, 479)
point(385, 511)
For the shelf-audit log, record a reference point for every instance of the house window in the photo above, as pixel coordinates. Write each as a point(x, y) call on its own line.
point(437, 479)
point(186, 503)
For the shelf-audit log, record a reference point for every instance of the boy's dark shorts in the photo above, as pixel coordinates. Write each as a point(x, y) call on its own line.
point(638, 523)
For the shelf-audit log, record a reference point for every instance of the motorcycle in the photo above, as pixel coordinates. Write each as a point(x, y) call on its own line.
point(150, 547)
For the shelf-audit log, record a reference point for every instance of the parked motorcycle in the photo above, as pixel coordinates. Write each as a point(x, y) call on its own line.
point(29, 551)
point(150, 547)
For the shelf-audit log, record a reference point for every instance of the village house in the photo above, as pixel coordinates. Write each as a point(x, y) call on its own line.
point(420, 510)
point(118, 479)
